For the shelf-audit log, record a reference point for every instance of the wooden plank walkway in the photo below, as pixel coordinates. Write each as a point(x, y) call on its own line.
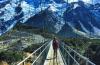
point(52, 61)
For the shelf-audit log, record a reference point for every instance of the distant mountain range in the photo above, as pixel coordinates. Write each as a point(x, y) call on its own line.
point(67, 20)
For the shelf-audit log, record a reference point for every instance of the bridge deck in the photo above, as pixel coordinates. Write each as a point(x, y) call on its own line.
point(52, 61)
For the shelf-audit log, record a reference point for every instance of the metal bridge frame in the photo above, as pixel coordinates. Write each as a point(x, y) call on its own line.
point(45, 48)
point(66, 51)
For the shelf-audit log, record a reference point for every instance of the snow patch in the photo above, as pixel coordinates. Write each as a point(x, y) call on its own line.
point(83, 27)
point(77, 31)
point(52, 8)
point(96, 31)
point(81, 33)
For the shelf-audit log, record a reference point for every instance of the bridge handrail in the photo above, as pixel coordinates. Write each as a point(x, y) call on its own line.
point(71, 56)
point(79, 55)
point(63, 57)
point(40, 54)
point(32, 54)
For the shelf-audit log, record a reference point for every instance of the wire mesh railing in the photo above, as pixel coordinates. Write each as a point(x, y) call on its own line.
point(37, 57)
point(71, 57)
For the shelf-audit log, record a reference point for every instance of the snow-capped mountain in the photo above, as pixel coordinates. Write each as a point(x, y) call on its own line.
point(56, 16)
point(18, 10)
point(50, 18)
point(83, 19)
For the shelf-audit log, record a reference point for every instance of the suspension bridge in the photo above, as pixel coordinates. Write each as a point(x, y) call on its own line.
point(65, 56)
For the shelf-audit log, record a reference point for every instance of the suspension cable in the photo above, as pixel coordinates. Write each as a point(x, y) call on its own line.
point(41, 53)
point(33, 53)
point(80, 55)
point(71, 56)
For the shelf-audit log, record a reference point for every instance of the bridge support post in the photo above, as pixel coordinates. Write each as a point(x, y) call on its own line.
point(23, 63)
point(86, 63)
point(68, 60)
